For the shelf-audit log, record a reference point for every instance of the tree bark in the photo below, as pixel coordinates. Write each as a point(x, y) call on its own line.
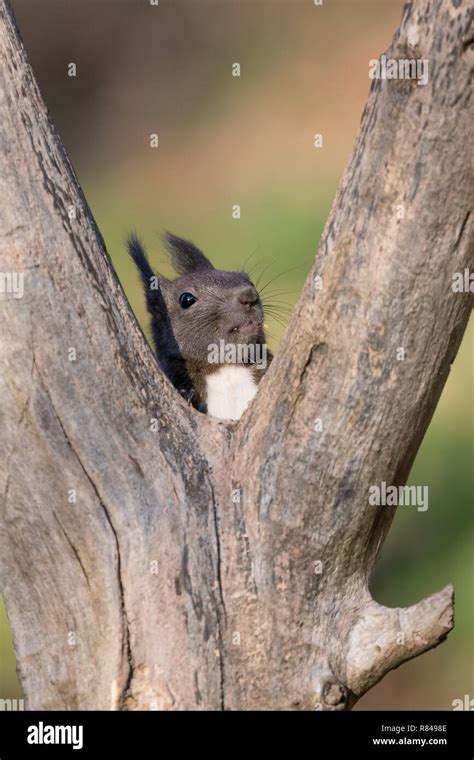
point(156, 558)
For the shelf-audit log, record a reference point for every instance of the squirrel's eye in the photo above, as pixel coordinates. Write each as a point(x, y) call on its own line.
point(186, 300)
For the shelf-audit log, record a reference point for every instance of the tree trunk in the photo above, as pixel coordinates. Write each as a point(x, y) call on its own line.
point(156, 558)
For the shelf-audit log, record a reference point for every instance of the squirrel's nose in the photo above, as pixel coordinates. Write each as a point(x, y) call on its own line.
point(248, 296)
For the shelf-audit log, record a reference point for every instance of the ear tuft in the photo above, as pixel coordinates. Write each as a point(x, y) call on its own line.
point(185, 256)
point(138, 253)
point(151, 282)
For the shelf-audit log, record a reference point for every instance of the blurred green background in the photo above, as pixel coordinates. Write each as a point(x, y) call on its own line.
point(166, 69)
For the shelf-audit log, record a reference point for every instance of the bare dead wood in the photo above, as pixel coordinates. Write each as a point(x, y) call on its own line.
point(183, 575)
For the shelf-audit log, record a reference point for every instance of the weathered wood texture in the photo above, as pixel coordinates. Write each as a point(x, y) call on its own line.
point(183, 576)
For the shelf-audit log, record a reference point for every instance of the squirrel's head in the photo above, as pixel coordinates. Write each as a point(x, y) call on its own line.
point(199, 308)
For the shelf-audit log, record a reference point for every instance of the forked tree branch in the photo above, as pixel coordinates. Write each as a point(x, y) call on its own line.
point(188, 563)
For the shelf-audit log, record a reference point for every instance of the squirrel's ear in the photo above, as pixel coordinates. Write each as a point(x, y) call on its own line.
point(185, 256)
point(152, 282)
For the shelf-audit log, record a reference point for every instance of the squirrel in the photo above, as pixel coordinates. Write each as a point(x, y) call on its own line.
point(207, 327)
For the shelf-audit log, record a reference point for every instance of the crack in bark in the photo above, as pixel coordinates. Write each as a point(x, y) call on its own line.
point(12, 452)
point(221, 592)
point(75, 552)
point(461, 231)
point(314, 348)
point(126, 643)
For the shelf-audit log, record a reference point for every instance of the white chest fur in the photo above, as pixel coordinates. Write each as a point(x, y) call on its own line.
point(229, 390)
